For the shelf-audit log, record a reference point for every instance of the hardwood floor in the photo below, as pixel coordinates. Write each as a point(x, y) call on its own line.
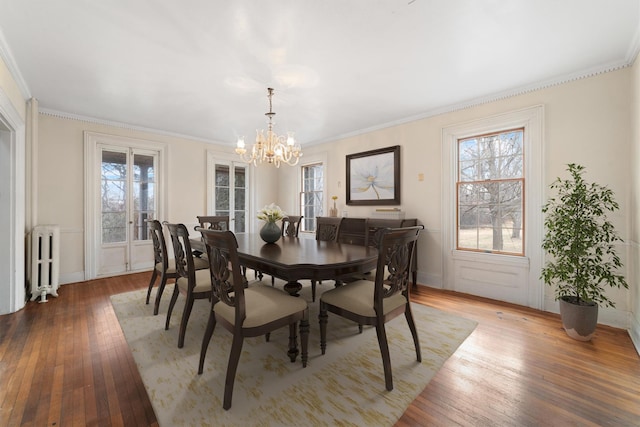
point(66, 363)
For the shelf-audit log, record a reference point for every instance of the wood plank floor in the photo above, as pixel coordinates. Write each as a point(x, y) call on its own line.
point(66, 363)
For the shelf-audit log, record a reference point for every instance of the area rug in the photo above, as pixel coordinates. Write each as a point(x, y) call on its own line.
point(343, 387)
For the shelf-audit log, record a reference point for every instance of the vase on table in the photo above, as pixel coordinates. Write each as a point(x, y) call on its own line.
point(270, 232)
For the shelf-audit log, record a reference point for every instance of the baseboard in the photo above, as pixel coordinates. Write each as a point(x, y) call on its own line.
point(634, 333)
point(74, 277)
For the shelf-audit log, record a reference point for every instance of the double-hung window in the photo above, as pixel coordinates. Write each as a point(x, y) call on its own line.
point(490, 186)
point(311, 195)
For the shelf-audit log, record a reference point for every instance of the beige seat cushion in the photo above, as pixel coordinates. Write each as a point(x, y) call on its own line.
point(198, 263)
point(264, 304)
point(357, 297)
point(203, 281)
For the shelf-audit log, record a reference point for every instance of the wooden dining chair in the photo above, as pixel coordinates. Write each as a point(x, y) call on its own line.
point(376, 303)
point(164, 266)
point(193, 283)
point(246, 311)
point(328, 230)
point(212, 222)
point(291, 225)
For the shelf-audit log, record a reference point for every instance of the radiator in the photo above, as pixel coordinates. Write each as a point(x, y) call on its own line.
point(44, 261)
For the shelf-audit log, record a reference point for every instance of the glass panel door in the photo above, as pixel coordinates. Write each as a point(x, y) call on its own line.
point(231, 194)
point(127, 191)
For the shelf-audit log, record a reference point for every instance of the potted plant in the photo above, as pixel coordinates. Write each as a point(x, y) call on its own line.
point(581, 240)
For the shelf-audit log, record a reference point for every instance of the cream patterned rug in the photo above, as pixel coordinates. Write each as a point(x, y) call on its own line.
point(344, 387)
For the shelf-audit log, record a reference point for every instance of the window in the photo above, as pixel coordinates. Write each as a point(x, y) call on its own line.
point(312, 195)
point(490, 185)
point(230, 194)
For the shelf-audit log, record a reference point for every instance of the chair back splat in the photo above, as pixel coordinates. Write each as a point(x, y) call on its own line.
point(246, 311)
point(328, 228)
point(291, 225)
point(214, 222)
point(375, 303)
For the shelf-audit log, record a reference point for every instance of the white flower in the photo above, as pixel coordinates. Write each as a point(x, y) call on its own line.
point(271, 213)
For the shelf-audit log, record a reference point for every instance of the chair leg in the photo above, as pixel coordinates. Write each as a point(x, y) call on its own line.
point(304, 338)
point(313, 290)
point(293, 342)
point(414, 332)
point(323, 317)
point(384, 351)
point(273, 281)
point(185, 319)
point(174, 298)
point(151, 282)
point(232, 367)
point(208, 333)
point(163, 283)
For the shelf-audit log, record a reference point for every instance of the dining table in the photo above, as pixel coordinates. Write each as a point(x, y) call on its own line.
point(297, 258)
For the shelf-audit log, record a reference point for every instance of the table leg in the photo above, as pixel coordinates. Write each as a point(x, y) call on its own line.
point(293, 288)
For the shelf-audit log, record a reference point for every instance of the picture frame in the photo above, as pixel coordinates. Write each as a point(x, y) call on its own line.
point(373, 177)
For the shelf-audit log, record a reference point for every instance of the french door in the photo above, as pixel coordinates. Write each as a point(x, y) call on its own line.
point(229, 193)
point(128, 197)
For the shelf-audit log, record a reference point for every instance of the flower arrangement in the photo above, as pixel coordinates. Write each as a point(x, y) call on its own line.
point(334, 210)
point(271, 213)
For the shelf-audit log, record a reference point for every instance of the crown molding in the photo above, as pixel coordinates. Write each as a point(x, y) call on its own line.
point(470, 103)
point(498, 96)
point(7, 57)
point(121, 125)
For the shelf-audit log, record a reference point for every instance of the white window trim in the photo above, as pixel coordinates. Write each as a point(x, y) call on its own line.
point(532, 120)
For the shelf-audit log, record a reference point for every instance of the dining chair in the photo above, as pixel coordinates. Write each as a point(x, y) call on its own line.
point(212, 222)
point(164, 266)
point(291, 225)
point(193, 283)
point(376, 303)
point(328, 230)
point(246, 311)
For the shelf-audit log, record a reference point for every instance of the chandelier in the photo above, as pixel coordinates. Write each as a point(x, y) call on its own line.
point(271, 148)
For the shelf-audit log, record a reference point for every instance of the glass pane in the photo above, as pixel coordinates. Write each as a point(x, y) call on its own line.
point(222, 176)
point(114, 227)
point(240, 219)
point(143, 194)
point(240, 177)
point(222, 200)
point(490, 216)
point(239, 195)
point(113, 196)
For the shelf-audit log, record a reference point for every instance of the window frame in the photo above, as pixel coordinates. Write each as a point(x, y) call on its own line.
point(521, 179)
point(302, 192)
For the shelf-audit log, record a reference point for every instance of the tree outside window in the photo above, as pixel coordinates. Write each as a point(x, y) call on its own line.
point(312, 196)
point(490, 193)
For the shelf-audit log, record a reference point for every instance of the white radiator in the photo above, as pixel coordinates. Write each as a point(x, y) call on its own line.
point(45, 261)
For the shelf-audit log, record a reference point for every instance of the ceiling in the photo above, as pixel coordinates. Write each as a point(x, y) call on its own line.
point(201, 68)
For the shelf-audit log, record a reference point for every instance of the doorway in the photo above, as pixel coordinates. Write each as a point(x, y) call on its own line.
point(125, 188)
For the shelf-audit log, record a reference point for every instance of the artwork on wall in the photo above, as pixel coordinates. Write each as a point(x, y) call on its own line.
point(373, 177)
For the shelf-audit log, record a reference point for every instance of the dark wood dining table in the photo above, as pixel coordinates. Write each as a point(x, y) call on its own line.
point(293, 258)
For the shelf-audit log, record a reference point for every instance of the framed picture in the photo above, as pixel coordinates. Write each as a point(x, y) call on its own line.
point(373, 177)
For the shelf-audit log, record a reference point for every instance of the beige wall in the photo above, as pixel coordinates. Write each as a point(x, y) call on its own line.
point(9, 86)
point(586, 121)
point(60, 177)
